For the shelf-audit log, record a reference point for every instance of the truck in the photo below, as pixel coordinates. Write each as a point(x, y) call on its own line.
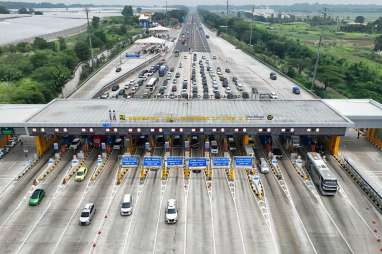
point(162, 70)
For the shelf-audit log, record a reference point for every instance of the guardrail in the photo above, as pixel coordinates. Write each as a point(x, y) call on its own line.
point(371, 193)
point(124, 76)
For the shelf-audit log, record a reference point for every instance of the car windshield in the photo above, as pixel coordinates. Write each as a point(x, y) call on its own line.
point(126, 205)
point(85, 214)
point(80, 173)
point(35, 194)
point(171, 210)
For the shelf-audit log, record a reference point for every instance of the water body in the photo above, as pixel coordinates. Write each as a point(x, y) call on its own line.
point(54, 20)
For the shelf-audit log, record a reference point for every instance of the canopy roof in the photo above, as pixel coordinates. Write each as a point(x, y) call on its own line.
point(159, 28)
point(150, 40)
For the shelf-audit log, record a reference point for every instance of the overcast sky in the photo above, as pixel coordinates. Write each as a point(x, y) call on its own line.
point(196, 2)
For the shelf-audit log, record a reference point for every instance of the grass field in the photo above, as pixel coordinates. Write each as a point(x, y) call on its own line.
point(354, 47)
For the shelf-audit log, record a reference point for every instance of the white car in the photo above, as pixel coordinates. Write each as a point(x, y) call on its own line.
point(171, 213)
point(87, 214)
point(132, 82)
point(274, 96)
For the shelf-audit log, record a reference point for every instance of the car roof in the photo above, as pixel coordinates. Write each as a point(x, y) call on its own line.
point(88, 206)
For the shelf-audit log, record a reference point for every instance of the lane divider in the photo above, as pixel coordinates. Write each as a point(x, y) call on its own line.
point(72, 171)
point(99, 168)
point(52, 164)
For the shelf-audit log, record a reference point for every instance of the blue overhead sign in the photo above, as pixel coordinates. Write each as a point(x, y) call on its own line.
point(243, 161)
point(129, 161)
point(174, 161)
point(197, 162)
point(221, 162)
point(152, 161)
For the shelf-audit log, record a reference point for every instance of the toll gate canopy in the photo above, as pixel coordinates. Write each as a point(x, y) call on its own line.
point(122, 117)
point(364, 113)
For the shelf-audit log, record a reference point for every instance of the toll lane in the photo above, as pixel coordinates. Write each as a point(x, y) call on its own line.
point(256, 232)
point(171, 237)
point(19, 225)
point(77, 238)
point(227, 231)
point(319, 226)
point(143, 234)
point(288, 230)
point(350, 220)
point(199, 234)
point(48, 231)
point(117, 229)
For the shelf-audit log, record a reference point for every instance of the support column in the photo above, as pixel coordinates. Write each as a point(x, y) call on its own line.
point(245, 139)
point(42, 145)
point(334, 147)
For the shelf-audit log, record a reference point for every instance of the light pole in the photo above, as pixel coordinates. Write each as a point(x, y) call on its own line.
point(90, 38)
point(318, 53)
point(250, 35)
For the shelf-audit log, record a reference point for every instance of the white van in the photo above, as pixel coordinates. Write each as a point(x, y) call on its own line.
point(249, 150)
point(264, 167)
point(127, 205)
point(171, 213)
point(214, 147)
point(75, 144)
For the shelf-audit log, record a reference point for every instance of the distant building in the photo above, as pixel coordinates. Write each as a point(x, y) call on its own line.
point(145, 19)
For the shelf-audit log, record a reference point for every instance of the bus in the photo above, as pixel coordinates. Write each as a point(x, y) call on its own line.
point(321, 175)
point(151, 84)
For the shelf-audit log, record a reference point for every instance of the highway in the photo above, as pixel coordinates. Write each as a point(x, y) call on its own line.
point(214, 216)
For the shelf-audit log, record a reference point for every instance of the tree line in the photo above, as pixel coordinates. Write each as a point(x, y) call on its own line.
point(36, 72)
point(292, 57)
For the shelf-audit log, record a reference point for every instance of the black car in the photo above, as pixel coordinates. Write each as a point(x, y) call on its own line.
point(118, 69)
point(245, 95)
point(140, 82)
point(122, 92)
point(115, 88)
point(217, 95)
point(273, 76)
point(206, 96)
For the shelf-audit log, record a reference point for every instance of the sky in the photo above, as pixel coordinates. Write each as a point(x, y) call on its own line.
point(204, 2)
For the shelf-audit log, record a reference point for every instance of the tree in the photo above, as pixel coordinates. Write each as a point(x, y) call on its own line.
point(40, 43)
point(359, 19)
point(139, 10)
point(127, 11)
point(39, 59)
point(61, 43)
point(9, 73)
point(329, 75)
point(3, 10)
point(27, 91)
point(378, 43)
point(95, 21)
point(82, 50)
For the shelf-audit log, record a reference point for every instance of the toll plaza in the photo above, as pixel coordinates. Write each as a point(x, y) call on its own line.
point(101, 123)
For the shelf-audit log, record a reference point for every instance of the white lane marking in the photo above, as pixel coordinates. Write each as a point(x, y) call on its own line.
point(335, 224)
point(185, 213)
point(163, 189)
point(295, 211)
point(86, 190)
point(56, 192)
point(126, 243)
point(212, 216)
point(267, 216)
point(115, 190)
point(236, 211)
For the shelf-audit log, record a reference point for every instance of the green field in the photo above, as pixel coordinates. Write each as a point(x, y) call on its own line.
point(354, 47)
